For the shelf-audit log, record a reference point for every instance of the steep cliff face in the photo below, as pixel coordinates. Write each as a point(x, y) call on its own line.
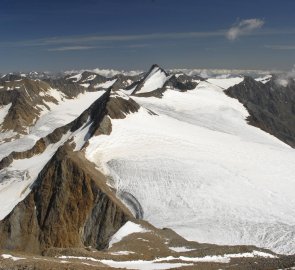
point(271, 106)
point(70, 205)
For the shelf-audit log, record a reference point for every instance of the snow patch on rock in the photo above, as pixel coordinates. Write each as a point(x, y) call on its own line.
point(127, 229)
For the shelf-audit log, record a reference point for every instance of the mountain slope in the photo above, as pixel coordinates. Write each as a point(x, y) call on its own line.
point(197, 162)
point(69, 206)
point(180, 155)
point(62, 188)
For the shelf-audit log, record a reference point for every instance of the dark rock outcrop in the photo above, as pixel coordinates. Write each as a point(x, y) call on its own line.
point(119, 107)
point(125, 82)
point(182, 83)
point(271, 106)
point(70, 205)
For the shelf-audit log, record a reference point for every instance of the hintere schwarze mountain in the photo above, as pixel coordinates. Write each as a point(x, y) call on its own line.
point(157, 170)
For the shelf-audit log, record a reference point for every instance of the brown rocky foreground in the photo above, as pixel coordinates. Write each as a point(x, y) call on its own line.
point(150, 248)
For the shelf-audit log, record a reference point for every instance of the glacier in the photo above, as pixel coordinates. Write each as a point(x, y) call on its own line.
point(196, 166)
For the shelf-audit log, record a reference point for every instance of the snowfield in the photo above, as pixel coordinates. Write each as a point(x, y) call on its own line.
point(107, 84)
point(127, 229)
point(200, 169)
point(156, 79)
point(169, 262)
point(59, 115)
point(3, 112)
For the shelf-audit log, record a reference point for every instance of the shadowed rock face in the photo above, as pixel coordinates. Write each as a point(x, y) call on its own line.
point(119, 107)
point(271, 106)
point(70, 206)
point(183, 83)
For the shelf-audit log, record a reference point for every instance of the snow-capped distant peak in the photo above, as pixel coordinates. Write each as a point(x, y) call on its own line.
point(90, 78)
point(76, 77)
point(154, 80)
point(264, 79)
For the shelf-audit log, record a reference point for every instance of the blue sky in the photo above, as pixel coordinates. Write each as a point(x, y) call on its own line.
point(133, 34)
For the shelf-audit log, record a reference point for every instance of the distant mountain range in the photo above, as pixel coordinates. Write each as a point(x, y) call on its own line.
point(101, 169)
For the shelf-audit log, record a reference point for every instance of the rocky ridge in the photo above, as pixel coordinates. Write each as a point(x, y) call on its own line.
point(271, 106)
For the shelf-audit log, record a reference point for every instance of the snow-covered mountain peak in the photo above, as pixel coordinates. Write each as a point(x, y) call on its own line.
point(154, 79)
point(179, 151)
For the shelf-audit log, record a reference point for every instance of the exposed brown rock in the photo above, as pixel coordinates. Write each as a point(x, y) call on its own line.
point(105, 127)
point(118, 107)
point(149, 246)
point(70, 205)
point(69, 88)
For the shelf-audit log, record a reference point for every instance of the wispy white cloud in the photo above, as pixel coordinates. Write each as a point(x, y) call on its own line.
point(80, 48)
point(280, 47)
point(68, 41)
point(284, 78)
point(135, 46)
point(71, 48)
point(244, 27)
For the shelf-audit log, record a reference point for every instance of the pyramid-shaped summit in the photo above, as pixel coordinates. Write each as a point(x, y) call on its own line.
point(154, 79)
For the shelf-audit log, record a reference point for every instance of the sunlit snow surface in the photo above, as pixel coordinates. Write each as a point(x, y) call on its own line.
point(201, 170)
point(156, 79)
point(106, 84)
point(163, 263)
point(128, 228)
